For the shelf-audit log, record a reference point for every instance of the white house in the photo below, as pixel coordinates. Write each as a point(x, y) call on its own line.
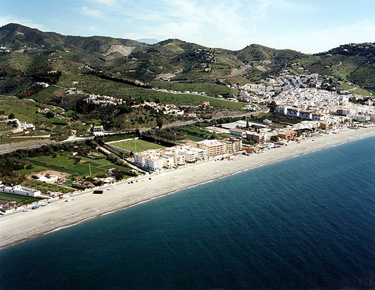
point(20, 190)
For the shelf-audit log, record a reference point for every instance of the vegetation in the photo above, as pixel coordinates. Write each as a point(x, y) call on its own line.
point(208, 88)
point(88, 163)
point(136, 145)
point(277, 120)
point(198, 131)
point(165, 137)
point(24, 200)
point(194, 138)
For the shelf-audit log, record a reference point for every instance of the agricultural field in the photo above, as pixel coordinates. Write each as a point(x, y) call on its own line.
point(5, 197)
point(76, 167)
point(137, 145)
point(194, 138)
point(16, 140)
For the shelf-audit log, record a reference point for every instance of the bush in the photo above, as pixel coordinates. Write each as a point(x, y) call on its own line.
point(274, 138)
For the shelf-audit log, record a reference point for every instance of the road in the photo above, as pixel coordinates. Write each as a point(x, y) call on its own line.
point(18, 129)
point(240, 71)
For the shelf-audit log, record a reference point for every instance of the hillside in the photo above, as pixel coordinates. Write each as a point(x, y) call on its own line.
point(47, 56)
point(351, 62)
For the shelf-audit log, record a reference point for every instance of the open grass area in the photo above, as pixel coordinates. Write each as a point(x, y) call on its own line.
point(198, 131)
point(18, 198)
point(34, 169)
point(137, 145)
point(15, 140)
point(66, 164)
point(24, 110)
point(194, 138)
point(355, 90)
point(47, 186)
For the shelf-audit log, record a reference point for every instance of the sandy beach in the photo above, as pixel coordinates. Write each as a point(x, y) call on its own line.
point(24, 225)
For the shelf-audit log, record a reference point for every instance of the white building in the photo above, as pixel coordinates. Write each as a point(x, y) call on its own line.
point(168, 160)
point(154, 163)
point(26, 126)
point(200, 154)
point(180, 158)
point(212, 147)
point(20, 190)
point(190, 156)
point(140, 159)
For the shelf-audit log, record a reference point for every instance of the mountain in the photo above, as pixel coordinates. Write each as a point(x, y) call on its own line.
point(17, 36)
point(29, 54)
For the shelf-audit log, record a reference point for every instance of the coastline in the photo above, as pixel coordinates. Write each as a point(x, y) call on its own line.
point(59, 215)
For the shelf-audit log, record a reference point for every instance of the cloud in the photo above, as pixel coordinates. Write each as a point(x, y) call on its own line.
point(321, 40)
point(27, 22)
point(197, 21)
point(91, 12)
point(223, 23)
point(362, 31)
point(104, 2)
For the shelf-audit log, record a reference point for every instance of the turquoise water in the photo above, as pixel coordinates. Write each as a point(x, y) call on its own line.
point(304, 223)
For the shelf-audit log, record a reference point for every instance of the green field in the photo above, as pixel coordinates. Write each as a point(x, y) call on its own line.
point(24, 110)
point(65, 163)
point(137, 145)
point(15, 140)
point(194, 138)
point(18, 198)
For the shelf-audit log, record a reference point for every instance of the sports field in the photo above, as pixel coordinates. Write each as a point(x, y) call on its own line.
point(137, 145)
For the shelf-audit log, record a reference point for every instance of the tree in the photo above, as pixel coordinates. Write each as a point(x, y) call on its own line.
point(11, 116)
point(272, 106)
point(274, 138)
point(159, 122)
point(247, 124)
point(119, 174)
point(50, 114)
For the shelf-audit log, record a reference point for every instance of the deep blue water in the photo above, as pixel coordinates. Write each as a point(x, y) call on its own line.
point(304, 223)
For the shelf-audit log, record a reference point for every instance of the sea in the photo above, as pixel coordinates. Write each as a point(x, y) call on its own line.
point(304, 223)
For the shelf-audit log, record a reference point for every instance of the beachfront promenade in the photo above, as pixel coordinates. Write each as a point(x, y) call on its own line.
point(23, 225)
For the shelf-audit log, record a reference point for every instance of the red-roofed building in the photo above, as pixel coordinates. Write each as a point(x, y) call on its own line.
point(287, 134)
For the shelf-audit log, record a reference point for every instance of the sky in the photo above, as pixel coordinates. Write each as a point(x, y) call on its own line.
point(309, 26)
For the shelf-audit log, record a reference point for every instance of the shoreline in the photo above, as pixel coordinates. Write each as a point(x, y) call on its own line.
point(59, 215)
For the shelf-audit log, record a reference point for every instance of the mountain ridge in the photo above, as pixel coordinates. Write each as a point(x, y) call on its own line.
point(175, 60)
